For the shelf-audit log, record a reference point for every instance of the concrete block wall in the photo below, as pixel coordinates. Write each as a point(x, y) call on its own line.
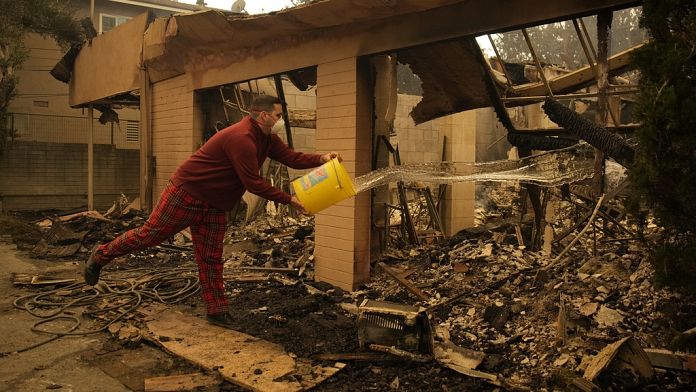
point(303, 141)
point(303, 138)
point(342, 232)
point(530, 116)
point(491, 137)
point(37, 176)
point(423, 143)
point(417, 143)
point(173, 133)
point(41, 109)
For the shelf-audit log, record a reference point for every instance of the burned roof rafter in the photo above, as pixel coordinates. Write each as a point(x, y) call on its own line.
point(456, 77)
point(215, 49)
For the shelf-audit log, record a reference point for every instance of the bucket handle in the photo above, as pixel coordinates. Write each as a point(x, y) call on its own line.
point(338, 180)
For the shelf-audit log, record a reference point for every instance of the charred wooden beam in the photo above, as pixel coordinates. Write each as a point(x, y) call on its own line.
point(598, 136)
point(303, 118)
point(401, 353)
point(411, 288)
point(539, 142)
point(366, 356)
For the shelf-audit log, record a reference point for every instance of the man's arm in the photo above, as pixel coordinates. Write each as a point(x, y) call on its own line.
point(242, 154)
point(282, 153)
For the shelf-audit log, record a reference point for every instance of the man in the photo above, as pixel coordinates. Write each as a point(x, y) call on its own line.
point(208, 183)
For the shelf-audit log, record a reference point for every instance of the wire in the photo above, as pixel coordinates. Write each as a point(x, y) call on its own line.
point(127, 294)
point(40, 96)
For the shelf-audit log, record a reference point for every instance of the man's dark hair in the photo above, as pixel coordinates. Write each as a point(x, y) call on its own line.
point(264, 103)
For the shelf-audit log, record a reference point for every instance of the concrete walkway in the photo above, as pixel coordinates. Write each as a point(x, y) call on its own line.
point(61, 364)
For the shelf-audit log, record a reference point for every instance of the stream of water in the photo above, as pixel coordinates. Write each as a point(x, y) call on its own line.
point(551, 168)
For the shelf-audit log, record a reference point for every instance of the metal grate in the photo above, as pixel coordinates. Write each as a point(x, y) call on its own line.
point(132, 131)
point(385, 321)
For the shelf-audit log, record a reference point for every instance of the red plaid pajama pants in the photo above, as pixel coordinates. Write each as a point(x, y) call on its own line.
point(176, 211)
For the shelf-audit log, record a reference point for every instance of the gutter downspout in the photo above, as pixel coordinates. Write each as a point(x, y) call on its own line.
point(146, 172)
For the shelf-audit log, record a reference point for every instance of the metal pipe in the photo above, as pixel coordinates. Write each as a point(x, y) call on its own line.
point(91, 13)
point(147, 164)
point(587, 37)
point(536, 60)
point(590, 61)
point(593, 65)
point(286, 117)
point(251, 90)
point(23, 195)
point(603, 36)
point(239, 99)
point(564, 96)
point(500, 61)
point(90, 159)
point(224, 106)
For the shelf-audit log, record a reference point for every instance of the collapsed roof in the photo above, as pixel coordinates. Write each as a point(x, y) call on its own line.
point(210, 46)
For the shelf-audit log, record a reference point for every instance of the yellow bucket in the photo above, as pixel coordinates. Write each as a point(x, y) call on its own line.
point(324, 186)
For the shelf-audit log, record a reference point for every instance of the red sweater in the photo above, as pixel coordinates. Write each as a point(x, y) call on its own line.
point(228, 164)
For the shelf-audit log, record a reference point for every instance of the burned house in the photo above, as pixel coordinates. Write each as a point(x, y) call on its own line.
point(411, 298)
point(343, 49)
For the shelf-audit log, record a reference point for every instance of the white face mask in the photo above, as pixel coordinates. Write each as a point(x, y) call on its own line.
point(279, 126)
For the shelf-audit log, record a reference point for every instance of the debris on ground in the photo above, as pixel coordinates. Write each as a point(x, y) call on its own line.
point(181, 382)
point(16, 230)
point(493, 314)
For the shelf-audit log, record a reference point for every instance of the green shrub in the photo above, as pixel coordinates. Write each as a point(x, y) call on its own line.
point(664, 174)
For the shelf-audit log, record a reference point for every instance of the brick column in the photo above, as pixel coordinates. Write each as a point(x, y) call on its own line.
point(458, 208)
point(344, 102)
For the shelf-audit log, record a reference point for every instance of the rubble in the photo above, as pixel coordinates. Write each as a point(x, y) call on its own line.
point(181, 382)
point(621, 365)
point(502, 314)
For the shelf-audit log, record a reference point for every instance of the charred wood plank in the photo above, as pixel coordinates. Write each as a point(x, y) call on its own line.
point(598, 136)
point(411, 288)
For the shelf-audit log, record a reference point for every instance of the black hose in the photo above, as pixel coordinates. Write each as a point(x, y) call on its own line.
point(127, 294)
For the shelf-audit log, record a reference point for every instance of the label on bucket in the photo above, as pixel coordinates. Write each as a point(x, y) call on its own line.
point(313, 178)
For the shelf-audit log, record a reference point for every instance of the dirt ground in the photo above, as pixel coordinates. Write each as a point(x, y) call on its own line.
point(509, 314)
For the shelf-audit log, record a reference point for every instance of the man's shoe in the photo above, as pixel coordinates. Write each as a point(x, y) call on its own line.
point(221, 320)
point(92, 269)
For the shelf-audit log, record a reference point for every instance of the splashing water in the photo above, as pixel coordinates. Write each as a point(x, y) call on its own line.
point(550, 168)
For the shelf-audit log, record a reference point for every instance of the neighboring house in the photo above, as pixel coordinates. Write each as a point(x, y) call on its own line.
point(44, 167)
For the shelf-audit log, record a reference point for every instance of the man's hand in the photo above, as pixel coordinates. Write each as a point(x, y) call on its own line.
point(329, 156)
point(295, 203)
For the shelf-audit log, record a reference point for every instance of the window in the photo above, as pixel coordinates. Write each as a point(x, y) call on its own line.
point(132, 131)
point(108, 22)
